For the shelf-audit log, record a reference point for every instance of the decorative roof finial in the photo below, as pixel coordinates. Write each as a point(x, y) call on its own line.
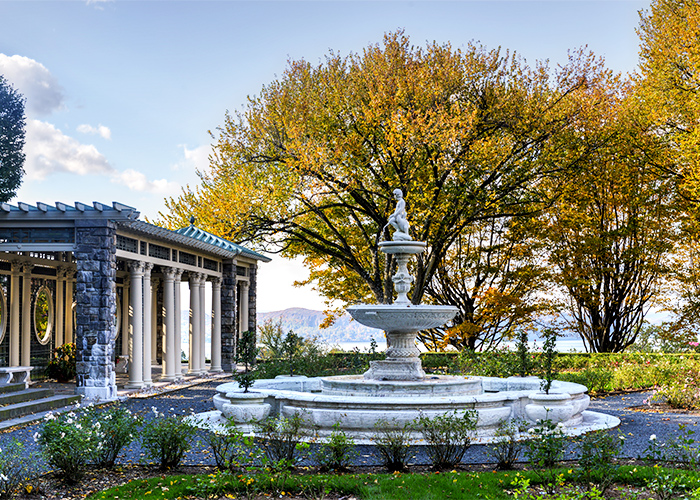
point(192, 219)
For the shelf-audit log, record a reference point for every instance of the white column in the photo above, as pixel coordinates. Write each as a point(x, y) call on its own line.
point(178, 325)
point(136, 364)
point(169, 318)
point(194, 323)
point(244, 308)
point(14, 313)
point(26, 354)
point(147, 324)
point(216, 325)
point(125, 321)
point(202, 324)
point(68, 317)
point(60, 280)
point(154, 321)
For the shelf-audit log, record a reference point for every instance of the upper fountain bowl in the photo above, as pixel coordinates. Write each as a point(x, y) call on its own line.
point(405, 247)
point(402, 318)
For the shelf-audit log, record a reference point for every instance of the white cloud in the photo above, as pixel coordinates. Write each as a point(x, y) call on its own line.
point(50, 151)
point(100, 130)
point(138, 181)
point(197, 158)
point(34, 81)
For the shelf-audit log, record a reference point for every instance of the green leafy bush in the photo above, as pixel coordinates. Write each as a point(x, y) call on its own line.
point(448, 437)
point(337, 452)
point(167, 439)
point(281, 438)
point(231, 449)
point(394, 444)
point(506, 446)
point(598, 454)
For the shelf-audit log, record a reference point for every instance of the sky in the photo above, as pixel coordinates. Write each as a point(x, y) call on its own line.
point(122, 95)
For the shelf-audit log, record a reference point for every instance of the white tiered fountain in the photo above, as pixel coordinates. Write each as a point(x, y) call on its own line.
point(395, 390)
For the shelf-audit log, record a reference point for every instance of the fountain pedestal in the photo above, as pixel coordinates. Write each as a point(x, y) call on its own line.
point(401, 320)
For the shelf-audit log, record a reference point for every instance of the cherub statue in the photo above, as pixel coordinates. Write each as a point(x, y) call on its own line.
point(398, 218)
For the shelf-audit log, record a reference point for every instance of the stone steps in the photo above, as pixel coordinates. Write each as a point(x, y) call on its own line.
point(16, 401)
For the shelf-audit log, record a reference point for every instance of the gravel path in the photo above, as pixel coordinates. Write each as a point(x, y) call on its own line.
point(636, 425)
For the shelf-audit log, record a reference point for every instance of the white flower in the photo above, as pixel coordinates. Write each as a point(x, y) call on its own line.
point(36, 437)
point(560, 425)
point(652, 437)
point(622, 437)
point(98, 425)
point(3, 477)
point(63, 434)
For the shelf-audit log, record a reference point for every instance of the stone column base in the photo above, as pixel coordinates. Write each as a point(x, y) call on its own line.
point(108, 393)
point(390, 369)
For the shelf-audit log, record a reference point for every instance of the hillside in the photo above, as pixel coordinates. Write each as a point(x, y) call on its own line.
point(305, 322)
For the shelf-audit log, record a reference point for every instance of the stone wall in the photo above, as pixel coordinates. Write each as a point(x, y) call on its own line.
point(95, 292)
point(229, 329)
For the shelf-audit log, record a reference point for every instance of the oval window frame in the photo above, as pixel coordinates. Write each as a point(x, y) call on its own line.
point(46, 337)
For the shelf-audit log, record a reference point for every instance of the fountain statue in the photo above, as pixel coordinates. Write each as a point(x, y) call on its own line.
point(396, 390)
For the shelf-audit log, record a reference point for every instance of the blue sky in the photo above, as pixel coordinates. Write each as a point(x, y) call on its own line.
point(121, 94)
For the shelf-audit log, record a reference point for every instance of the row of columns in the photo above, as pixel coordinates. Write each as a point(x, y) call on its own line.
point(20, 352)
point(142, 323)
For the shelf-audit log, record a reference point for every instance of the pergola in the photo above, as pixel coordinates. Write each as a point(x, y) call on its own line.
point(96, 275)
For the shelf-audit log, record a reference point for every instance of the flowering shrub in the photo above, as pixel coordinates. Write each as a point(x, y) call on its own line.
point(62, 365)
point(16, 467)
point(683, 391)
point(68, 442)
point(282, 439)
point(115, 429)
point(167, 439)
point(231, 449)
point(505, 447)
point(598, 452)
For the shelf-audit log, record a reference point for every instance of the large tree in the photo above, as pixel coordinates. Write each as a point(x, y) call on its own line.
point(12, 123)
point(611, 232)
point(495, 273)
point(308, 167)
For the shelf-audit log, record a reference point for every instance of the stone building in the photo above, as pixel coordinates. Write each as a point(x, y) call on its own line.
point(96, 275)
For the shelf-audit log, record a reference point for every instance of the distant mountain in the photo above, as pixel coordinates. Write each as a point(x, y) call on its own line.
point(306, 322)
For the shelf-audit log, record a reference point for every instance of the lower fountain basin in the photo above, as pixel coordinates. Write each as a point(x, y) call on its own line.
point(357, 414)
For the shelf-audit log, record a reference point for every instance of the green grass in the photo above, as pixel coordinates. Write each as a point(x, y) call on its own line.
point(423, 486)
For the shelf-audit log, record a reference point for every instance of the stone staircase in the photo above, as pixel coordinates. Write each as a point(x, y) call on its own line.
point(16, 401)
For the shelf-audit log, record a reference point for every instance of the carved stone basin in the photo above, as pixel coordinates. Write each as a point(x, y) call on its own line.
point(401, 318)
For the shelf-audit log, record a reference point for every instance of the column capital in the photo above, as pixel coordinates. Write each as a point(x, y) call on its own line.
point(216, 281)
point(169, 274)
point(178, 273)
point(136, 267)
point(70, 273)
point(27, 268)
point(61, 272)
point(147, 268)
point(16, 266)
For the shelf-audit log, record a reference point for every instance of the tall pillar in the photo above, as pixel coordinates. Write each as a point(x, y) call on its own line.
point(136, 299)
point(155, 283)
point(216, 325)
point(26, 353)
point(202, 323)
point(96, 287)
point(125, 321)
point(14, 313)
point(60, 280)
point(68, 336)
point(169, 319)
point(147, 324)
point(244, 326)
point(229, 329)
point(194, 323)
point(178, 324)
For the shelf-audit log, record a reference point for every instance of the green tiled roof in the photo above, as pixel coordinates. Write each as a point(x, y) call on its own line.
point(212, 239)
